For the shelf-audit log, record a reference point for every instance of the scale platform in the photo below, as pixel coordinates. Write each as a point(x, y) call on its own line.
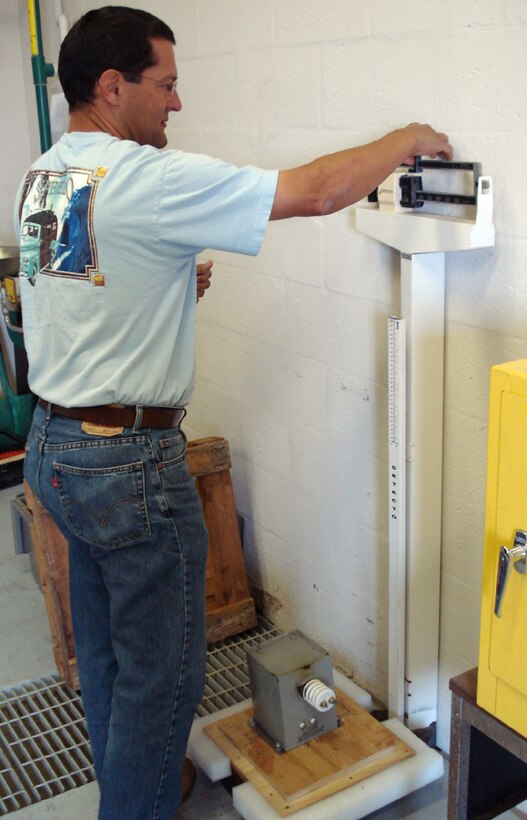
point(370, 789)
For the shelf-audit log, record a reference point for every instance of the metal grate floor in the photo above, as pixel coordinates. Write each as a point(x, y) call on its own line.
point(227, 679)
point(44, 748)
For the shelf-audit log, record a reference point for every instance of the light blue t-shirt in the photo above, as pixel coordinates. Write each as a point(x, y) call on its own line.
point(109, 232)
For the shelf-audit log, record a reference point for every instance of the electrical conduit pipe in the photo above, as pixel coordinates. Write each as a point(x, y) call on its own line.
point(41, 72)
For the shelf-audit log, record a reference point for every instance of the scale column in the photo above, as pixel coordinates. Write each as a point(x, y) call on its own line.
point(423, 308)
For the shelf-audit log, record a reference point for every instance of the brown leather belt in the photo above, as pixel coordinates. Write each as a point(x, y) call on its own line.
point(121, 416)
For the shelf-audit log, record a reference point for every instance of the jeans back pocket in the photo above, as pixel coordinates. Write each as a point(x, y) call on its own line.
point(104, 506)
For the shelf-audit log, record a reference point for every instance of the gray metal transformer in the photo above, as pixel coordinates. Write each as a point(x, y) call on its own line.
point(292, 689)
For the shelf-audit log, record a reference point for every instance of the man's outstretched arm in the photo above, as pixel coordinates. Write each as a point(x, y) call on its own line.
point(334, 181)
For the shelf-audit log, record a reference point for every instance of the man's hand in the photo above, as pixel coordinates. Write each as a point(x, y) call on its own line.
point(203, 277)
point(427, 143)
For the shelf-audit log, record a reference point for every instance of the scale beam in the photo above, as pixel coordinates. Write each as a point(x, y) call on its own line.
point(411, 232)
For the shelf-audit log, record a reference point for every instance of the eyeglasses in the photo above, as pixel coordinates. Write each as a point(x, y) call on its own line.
point(170, 88)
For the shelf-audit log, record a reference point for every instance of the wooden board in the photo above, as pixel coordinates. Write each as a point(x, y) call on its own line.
point(290, 781)
point(229, 605)
point(50, 549)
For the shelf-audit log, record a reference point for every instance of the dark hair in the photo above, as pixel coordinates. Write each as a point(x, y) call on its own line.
point(110, 37)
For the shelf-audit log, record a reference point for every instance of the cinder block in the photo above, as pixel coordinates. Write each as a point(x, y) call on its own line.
point(350, 90)
point(498, 273)
point(356, 265)
point(297, 85)
point(184, 21)
point(207, 89)
point(229, 26)
point(358, 408)
point(318, 21)
point(463, 63)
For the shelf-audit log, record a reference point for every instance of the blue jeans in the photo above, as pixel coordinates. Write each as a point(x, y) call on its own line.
point(137, 548)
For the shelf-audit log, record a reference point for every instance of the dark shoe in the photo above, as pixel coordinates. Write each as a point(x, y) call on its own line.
point(188, 780)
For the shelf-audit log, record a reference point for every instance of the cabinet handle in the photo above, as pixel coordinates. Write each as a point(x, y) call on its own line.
point(509, 558)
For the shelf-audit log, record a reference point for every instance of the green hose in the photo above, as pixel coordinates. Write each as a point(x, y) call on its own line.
point(41, 72)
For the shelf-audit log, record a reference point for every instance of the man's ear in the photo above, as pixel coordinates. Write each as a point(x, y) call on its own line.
point(109, 86)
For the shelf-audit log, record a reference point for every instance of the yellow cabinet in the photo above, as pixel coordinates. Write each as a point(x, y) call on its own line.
point(502, 674)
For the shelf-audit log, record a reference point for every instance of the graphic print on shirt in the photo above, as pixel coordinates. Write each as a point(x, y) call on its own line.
point(56, 225)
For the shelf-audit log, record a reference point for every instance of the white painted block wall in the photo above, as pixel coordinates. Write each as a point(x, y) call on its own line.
point(291, 345)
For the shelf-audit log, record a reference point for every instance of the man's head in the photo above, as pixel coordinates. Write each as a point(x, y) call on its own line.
point(111, 37)
point(122, 57)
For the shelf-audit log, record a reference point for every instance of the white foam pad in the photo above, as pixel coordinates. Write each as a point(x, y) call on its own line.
point(362, 798)
point(204, 752)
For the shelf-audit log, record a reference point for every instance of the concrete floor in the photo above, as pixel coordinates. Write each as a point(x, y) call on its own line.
point(25, 653)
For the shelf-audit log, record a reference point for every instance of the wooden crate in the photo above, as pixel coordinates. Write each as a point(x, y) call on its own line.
point(230, 608)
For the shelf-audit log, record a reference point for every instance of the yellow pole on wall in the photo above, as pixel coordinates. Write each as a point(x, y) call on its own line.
point(41, 72)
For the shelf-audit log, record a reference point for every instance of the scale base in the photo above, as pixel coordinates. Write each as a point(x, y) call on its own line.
point(354, 802)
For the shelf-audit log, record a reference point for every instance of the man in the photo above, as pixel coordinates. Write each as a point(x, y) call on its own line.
point(109, 329)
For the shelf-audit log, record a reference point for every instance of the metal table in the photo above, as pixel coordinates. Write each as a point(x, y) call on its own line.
point(488, 760)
